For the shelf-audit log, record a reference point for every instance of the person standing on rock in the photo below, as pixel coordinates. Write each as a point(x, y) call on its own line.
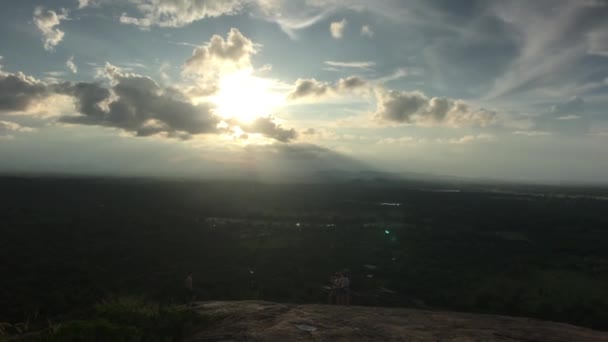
point(343, 289)
point(332, 297)
point(188, 289)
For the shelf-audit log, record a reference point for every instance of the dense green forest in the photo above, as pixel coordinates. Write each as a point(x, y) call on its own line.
point(70, 244)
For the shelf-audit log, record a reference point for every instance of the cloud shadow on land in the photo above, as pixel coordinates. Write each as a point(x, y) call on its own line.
point(299, 163)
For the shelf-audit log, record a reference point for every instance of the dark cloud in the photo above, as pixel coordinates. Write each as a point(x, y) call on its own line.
point(88, 96)
point(19, 91)
point(417, 108)
point(309, 131)
point(352, 82)
point(400, 106)
point(267, 127)
point(133, 103)
point(140, 106)
point(308, 87)
point(313, 88)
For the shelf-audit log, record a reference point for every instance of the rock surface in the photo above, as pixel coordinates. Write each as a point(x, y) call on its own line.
point(265, 321)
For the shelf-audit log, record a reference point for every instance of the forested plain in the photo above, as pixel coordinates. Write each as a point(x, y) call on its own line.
point(68, 244)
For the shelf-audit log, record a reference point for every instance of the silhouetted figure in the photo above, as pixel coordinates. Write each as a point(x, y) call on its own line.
point(254, 287)
point(332, 297)
point(188, 289)
point(343, 285)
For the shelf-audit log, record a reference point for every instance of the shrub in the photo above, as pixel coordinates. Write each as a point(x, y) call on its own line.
point(98, 330)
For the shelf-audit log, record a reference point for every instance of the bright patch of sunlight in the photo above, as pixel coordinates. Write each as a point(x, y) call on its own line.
point(245, 97)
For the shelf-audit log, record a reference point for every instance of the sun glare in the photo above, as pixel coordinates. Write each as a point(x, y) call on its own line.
point(245, 97)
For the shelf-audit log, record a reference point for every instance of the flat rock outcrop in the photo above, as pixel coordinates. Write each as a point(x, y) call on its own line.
point(266, 321)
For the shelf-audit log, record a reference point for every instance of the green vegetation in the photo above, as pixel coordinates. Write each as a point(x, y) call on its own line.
point(69, 243)
point(120, 319)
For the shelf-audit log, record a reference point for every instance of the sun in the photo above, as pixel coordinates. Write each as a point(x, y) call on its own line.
point(245, 97)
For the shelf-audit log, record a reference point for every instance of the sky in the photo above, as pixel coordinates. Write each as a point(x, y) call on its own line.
point(278, 89)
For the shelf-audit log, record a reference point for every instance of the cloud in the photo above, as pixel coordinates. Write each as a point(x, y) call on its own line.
point(178, 13)
point(8, 129)
point(573, 106)
point(19, 91)
point(550, 43)
point(83, 3)
point(163, 71)
point(304, 88)
point(71, 65)
point(569, 117)
point(138, 104)
point(47, 21)
point(268, 128)
point(597, 42)
point(471, 138)
point(309, 131)
point(92, 3)
point(410, 141)
point(221, 54)
point(290, 16)
point(336, 28)
point(366, 31)
point(133, 103)
point(89, 97)
point(354, 65)
point(416, 108)
point(532, 133)
point(8, 126)
point(405, 140)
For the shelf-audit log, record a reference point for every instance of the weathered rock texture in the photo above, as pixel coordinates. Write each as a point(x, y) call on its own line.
point(265, 321)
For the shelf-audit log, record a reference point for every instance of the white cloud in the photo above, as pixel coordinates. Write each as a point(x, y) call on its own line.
point(8, 126)
point(178, 13)
point(416, 108)
point(93, 3)
point(163, 71)
point(471, 138)
point(337, 28)
point(317, 135)
point(47, 21)
point(399, 73)
point(83, 3)
point(532, 133)
point(405, 140)
point(71, 65)
point(220, 55)
point(410, 141)
point(569, 117)
point(546, 44)
point(8, 129)
point(355, 65)
point(366, 31)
